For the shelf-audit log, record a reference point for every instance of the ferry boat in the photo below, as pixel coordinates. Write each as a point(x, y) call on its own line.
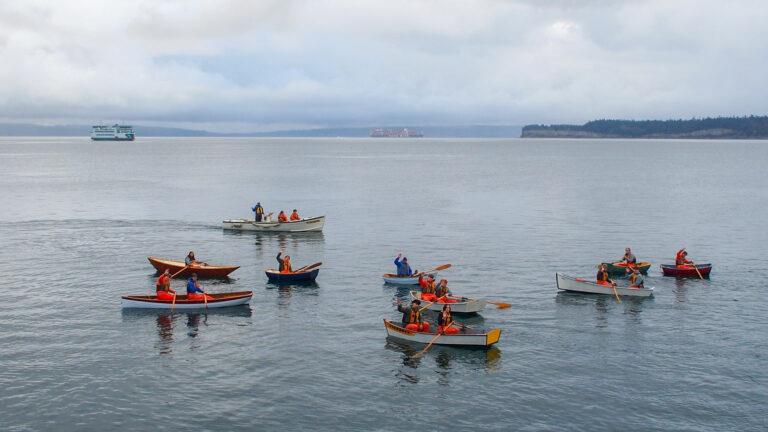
point(395, 133)
point(115, 132)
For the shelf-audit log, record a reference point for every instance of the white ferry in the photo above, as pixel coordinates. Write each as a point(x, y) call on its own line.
point(116, 132)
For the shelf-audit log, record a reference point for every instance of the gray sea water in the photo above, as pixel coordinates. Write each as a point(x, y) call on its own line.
point(78, 219)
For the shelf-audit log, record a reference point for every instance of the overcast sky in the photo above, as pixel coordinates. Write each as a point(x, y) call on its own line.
point(256, 65)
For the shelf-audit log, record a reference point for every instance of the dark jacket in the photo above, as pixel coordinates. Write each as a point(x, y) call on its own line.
point(280, 261)
point(411, 314)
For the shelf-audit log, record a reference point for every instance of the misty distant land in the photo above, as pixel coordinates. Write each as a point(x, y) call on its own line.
point(752, 127)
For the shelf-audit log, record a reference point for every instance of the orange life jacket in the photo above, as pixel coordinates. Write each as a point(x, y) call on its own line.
point(295, 216)
point(281, 217)
point(287, 266)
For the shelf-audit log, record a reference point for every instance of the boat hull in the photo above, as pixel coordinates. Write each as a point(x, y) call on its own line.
point(218, 301)
point(686, 272)
point(615, 269)
point(462, 306)
point(275, 276)
point(466, 338)
point(202, 271)
point(403, 280)
point(304, 225)
point(568, 283)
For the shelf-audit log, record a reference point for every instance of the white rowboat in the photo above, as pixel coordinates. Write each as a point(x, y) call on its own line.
point(462, 305)
point(303, 225)
point(466, 337)
point(218, 301)
point(568, 283)
point(404, 280)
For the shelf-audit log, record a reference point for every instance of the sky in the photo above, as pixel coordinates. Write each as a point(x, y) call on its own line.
point(241, 65)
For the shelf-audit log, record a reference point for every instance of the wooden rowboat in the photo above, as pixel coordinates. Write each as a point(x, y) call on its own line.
point(275, 276)
point(203, 271)
point(394, 279)
point(218, 301)
point(303, 225)
point(568, 283)
point(687, 271)
point(467, 337)
point(620, 269)
point(463, 305)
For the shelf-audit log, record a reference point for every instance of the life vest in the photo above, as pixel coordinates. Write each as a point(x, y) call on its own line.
point(295, 216)
point(680, 257)
point(428, 288)
point(602, 276)
point(287, 266)
point(441, 291)
point(281, 217)
point(414, 315)
point(163, 282)
point(260, 210)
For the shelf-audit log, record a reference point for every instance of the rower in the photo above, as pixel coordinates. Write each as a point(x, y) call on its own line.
point(190, 259)
point(412, 317)
point(602, 276)
point(681, 259)
point(442, 293)
point(194, 292)
point(281, 217)
point(285, 263)
point(629, 258)
point(258, 212)
point(295, 216)
point(636, 280)
point(428, 289)
point(444, 321)
point(163, 286)
point(403, 269)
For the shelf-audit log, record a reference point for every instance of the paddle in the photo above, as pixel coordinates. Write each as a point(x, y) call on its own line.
point(308, 267)
point(429, 345)
point(205, 298)
point(500, 305)
point(173, 305)
point(179, 272)
point(438, 268)
point(697, 270)
point(431, 303)
point(613, 285)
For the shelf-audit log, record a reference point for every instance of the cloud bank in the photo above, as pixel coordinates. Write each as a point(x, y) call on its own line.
point(237, 64)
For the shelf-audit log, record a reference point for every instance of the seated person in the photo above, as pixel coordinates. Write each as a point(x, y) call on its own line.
point(284, 263)
point(295, 215)
point(602, 276)
point(681, 259)
point(445, 321)
point(194, 292)
point(190, 259)
point(163, 286)
point(412, 317)
point(442, 293)
point(281, 217)
point(428, 289)
point(636, 280)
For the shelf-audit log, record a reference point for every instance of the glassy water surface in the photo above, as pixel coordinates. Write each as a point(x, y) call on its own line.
point(78, 220)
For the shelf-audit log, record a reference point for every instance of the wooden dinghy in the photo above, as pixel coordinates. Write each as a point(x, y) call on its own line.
point(687, 271)
point(568, 283)
point(218, 301)
point(467, 337)
point(303, 225)
point(394, 279)
point(620, 269)
point(203, 271)
point(275, 276)
point(463, 305)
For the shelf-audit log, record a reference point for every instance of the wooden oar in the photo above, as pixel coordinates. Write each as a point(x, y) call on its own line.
point(436, 269)
point(179, 272)
point(431, 303)
point(500, 305)
point(613, 285)
point(173, 305)
point(308, 267)
point(697, 270)
point(205, 298)
point(429, 345)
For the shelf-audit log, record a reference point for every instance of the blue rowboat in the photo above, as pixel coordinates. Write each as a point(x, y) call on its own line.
point(305, 276)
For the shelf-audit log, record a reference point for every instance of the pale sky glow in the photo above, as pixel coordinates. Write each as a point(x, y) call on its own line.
point(255, 65)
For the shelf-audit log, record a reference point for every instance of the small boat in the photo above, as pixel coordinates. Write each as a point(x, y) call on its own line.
point(394, 279)
point(568, 283)
point(687, 271)
point(218, 301)
point(303, 225)
point(275, 276)
point(620, 269)
point(465, 338)
point(463, 305)
point(203, 271)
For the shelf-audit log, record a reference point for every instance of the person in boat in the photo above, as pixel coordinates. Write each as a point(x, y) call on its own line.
point(163, 286)
point(681, 259)
point(295, 216)
point(629, 258)
point(427, 288)
point(281, 217)
point(284, 263)
point(636, 280)
point(190, 259)
point(403, 269)
point(602, 276)
point(258, 212)
point(442, 292)
point(445, 321)
point(194, 291)
point(412, 317)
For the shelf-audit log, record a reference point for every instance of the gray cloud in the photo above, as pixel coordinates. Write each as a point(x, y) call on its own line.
point(324, 63)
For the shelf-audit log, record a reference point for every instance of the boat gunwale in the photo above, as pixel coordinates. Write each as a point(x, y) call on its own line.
point(181, 299)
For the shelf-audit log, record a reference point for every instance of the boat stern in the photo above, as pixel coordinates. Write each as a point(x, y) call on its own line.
point(492, 337)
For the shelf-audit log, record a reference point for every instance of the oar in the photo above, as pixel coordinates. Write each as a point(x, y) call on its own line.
point(179, 272)
point(697, 270)
point(613, 285)
point(173, 305)
point(205, 298)
point(308, 267)
point(429, 345)
point(500, 305)
point(431, 303)
point(436, 269)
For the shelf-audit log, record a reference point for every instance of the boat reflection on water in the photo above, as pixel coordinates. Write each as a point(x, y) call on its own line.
point(681, 291)
point(166, 321)
point(632, 306)
point(286, 291)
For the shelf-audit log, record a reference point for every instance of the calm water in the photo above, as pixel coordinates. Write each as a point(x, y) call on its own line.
point(78, 220)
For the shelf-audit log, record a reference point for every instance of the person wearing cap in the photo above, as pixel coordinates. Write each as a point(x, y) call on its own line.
point(295, 216)
point(636, 280)
point(681, 258)
point(258, 212)
point(412, 319)
point(403, 269)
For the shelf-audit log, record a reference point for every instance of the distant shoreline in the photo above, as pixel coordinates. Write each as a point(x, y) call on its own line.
point(752, 127)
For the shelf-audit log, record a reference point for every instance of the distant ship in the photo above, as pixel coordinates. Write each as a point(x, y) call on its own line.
point(395, 133)
point(115, 132)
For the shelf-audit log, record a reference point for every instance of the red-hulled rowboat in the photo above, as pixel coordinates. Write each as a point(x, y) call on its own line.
point(687, 271)
point(202, 270)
